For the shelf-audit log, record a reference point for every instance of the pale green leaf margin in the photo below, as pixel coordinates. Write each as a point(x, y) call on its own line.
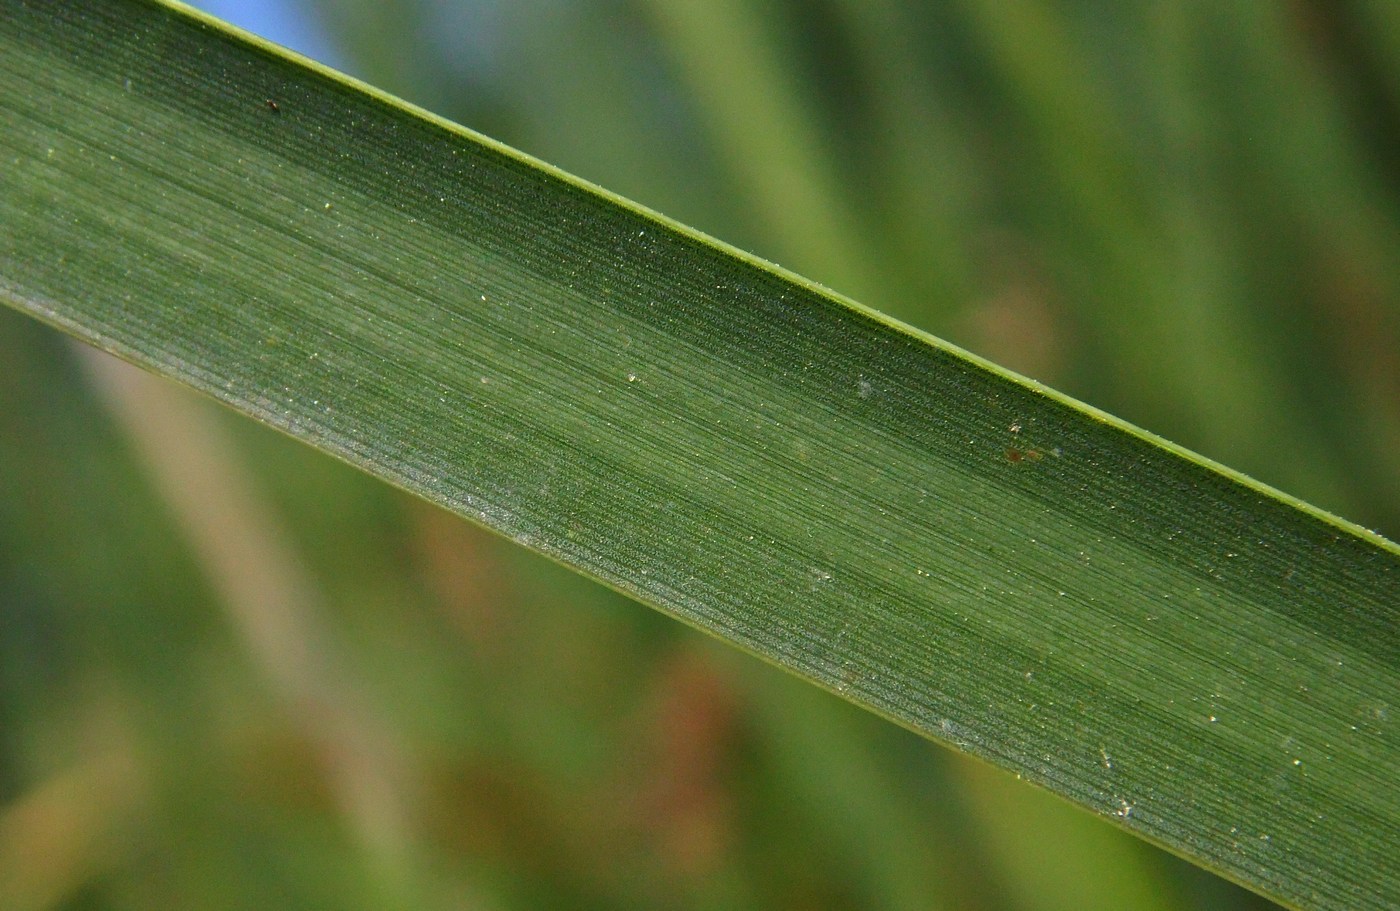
point(1211, 664)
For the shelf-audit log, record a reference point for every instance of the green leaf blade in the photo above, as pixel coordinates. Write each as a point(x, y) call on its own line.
point(968, 554)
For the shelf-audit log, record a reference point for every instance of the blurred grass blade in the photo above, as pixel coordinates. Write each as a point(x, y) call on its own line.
point(1209, 663)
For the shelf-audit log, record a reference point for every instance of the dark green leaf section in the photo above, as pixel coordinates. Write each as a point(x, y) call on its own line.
point(1209, 663)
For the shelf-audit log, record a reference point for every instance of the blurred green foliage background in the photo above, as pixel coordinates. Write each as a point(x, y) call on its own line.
point(236, 674)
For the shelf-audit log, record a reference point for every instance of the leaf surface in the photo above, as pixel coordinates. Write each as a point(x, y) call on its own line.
point(971, 555)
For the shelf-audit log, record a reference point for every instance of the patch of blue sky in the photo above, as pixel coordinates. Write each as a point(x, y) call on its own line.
point(289, 23)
